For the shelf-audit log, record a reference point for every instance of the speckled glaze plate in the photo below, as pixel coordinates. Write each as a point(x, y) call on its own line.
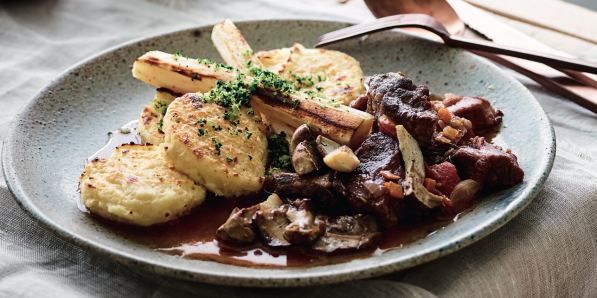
point(67, 121)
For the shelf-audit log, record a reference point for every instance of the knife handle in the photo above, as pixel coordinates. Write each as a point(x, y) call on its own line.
point(552, 80)
point(545, 58)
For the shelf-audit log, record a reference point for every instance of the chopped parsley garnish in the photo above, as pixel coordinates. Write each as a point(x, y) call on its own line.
point(161, 106)
point(213, 125)
point(110, 134)
point(250, 157)
point(216, 65)
point(323, 106)
point(218, 146)
point(235, 95)
point(306, 80)
point(272, 171)
point(333, 103)
point(278, 151)
point(297, 102)
point(270, 80)
point(319, 88)
point(194, 76)
point(311, 94)
point(175, 56)
point(321, 79)
point(229, 159)
point(248, 53)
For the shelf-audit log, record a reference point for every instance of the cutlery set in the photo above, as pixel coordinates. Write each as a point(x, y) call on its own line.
point(556, 71)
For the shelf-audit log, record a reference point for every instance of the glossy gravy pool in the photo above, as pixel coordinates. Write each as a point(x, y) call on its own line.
point(194, 236)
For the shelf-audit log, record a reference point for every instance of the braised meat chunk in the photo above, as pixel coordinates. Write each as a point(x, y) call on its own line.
point(478, 110)
point(364, 187)
point(403, 103)
point(297, 186)
point(360, 103)
point(487, 163)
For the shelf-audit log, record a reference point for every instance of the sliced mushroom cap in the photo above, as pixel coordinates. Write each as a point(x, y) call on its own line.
point(415, 170)
point(271, 221)
point(334, 242)
point(239, 226)
point(305, 158)
point(302, 229)
point(350, 225)
point(272, 202)
point(272, 224)
point(348, 233)
point(325, 146)
point(302, 133)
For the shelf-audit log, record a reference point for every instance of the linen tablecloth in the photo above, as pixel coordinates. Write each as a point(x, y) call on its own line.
point(548, 250)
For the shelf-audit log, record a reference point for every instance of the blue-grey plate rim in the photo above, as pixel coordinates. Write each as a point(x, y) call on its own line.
point(301, 277)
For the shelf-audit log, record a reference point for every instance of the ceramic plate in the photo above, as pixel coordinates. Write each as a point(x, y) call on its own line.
point(67, 121)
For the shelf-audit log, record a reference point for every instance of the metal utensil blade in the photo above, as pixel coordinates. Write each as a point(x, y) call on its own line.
point(555, 80)
point(497, 30)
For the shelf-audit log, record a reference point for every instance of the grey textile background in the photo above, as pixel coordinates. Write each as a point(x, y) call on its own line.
point(549, 250)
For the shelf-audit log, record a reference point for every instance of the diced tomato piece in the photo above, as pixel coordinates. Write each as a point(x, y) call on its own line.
point(389, 175)
point(445, 176)
point(395, 190)
point(444, 115)
point(387, 126)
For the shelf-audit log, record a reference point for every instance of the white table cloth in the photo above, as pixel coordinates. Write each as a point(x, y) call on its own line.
point(548, 250)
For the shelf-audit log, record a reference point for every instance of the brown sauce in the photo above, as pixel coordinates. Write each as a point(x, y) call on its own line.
point(194, 236)
point(491, 134)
